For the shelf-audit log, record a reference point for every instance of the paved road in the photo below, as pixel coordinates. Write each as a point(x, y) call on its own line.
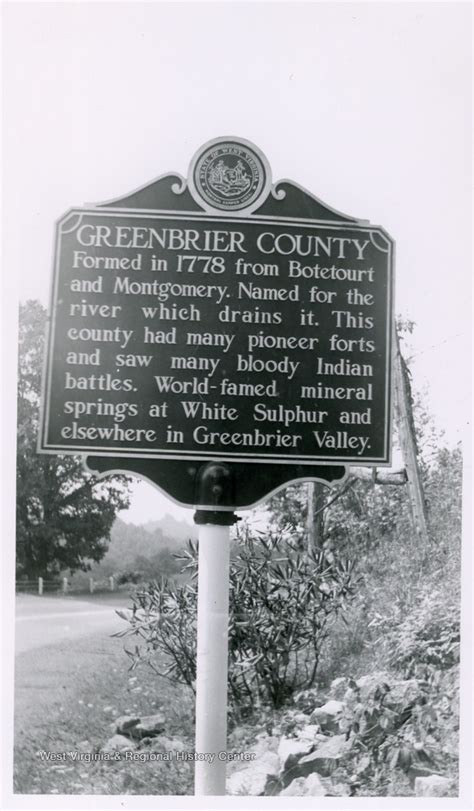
point(47, 620)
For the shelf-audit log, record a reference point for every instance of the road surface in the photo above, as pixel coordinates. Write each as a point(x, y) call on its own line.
point(44, 621)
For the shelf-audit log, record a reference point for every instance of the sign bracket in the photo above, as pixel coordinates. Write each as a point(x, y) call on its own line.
point(252, 482)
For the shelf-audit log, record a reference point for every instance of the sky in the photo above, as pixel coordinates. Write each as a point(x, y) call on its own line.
point(367, 105)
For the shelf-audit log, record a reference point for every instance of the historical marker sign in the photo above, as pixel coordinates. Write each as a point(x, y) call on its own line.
point(217, 332)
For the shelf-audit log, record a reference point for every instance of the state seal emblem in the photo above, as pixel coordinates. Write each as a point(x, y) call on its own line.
point(229, 175)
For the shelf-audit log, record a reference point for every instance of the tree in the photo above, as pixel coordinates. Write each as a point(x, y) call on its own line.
point(64, 514)
point(358, 512)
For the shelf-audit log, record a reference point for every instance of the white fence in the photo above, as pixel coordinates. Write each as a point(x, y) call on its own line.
point(63, 586)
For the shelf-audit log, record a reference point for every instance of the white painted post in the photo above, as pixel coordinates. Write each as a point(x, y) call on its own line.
point(91, 585)
point(40, 585)
point(212, 653)
point(64, 585)
point(112, 583)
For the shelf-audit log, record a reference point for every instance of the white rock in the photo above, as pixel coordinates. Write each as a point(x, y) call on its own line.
point(149, 725)
point(339, 686)
point(310, 732)
point(351, 697)
point(327, 716)
point(310, 786)
point(301, 718)
point(333, 707)
point(290, 749)
point(164, 744)
point(264, 743)
point(253, 780)
point(123, 724)
point(270, 760)
point(326, 756)
point(433, 786)
point(248, 782)
point(118, 743)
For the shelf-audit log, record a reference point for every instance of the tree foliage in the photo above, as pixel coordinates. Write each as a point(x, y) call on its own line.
point(64, 514)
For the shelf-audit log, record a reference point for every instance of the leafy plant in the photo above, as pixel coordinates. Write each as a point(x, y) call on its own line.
point(393, 729)
point(429, 635)
point(281, 601)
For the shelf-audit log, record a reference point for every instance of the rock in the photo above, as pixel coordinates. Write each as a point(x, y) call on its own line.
point(291, 720)
point(256, 779)
point(124, 723)
point(333, 707)
point(291, 749)
point(418, 770)
point(328, 715)
point(319, 717)
point(338, 687)
point(118, 743)
point(162, 743)
point(148, 726)
point(265, 743)
point(334, 789)
point(310, 786)
point(367, 684)
point(138, 728)
point(301, 718)
point(325, 757)
point(310, 732)
point(270, 761)
point(433, 786)
point(351, 696)
point(144, 742)
point(240, 735)
point(264, 750)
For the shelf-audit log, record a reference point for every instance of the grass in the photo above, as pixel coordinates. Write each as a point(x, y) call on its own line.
point(67, 696)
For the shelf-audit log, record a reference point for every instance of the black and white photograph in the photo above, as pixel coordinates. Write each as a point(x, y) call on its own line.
point(236, 347)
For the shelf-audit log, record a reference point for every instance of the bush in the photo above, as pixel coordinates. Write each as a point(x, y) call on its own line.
point(400, 729)
point(429, 635)
point(281, 602)
point(131, 577)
